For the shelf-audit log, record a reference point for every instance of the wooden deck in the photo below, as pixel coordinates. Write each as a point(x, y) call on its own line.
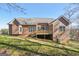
point(41, 32)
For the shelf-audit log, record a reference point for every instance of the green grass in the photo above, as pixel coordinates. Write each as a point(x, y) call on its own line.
point(30, 46)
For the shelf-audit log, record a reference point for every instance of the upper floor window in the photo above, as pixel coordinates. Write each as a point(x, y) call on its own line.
point(62, 28)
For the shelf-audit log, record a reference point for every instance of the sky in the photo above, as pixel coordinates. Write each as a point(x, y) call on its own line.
point(32, 10)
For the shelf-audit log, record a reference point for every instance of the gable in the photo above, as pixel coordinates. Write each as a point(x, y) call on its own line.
point(57, 23)
point(61, 19)
point(11, 22)
point(15, 22)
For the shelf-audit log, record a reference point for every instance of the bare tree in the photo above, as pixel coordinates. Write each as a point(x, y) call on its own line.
point(70, 10)
point(13, 6)
point(73, 10)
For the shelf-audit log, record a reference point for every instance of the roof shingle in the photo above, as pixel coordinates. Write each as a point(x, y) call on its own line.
point(32, 21)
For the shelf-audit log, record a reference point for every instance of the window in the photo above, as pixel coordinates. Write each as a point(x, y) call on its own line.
point(20, 29)
point(32, 28)
point(44, 28)
point(39, 28)
point(62, 28)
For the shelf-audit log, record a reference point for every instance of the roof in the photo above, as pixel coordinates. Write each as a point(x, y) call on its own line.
point(64, 20)
point(31, 21)
point(34, 21)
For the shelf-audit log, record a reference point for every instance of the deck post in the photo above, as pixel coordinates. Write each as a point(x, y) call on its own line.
point(36, 30)
point(44, 34)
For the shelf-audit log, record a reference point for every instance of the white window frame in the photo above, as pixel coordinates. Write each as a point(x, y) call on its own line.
point(20, 29)
point(62, 28)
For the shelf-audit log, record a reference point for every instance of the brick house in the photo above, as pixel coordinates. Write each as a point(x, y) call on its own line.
point(46, 27)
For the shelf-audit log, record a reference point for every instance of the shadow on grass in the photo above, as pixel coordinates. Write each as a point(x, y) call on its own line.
point(38, 44)
point(24, 49)
point(63, 48)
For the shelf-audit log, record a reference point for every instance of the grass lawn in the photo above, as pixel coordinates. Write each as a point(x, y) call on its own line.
point(32, 47)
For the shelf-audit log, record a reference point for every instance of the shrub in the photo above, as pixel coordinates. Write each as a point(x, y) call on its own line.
point(4, 31)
